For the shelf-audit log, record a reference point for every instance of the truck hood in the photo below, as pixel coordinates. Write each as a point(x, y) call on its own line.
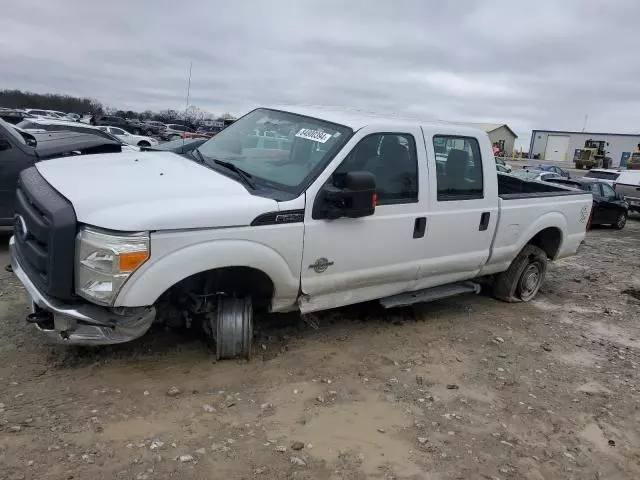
point(135, 191)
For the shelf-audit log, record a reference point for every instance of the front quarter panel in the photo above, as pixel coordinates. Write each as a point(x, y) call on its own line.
point(276, 250)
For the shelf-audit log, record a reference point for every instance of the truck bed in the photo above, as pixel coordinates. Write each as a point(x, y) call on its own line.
point(513, 188)
point(527, 208)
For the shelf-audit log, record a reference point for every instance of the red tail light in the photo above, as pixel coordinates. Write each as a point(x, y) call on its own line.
point(374, 200)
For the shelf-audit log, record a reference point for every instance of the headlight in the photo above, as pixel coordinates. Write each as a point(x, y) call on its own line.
point(104, 261)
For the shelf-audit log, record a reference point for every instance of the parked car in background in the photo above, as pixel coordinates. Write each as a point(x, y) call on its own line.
point(155, 124)
point(609, 207)
point(132, 126)
point(36, 112)
point(548, 168)
point(40, 125)
point(140, 127)
point(505, 166)
point(14, 115)
point(534, 175)
point(173, 131)
point(20, 150)
point(110, 121)
point(129, 138)
point(627, 184)
point(607, 175)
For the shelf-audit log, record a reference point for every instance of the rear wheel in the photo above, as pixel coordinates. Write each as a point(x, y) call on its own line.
point(621, 221)
point(524, 277)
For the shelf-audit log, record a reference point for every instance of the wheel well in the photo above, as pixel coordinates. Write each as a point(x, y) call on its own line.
point(548, 240)
point(143, 143)
point(233, 280)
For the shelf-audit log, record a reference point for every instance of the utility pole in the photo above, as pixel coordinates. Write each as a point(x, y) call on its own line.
point(189, 82)
point(584, 125)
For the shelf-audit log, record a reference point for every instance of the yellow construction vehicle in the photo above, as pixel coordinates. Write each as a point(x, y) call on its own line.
point(633, 163)
point(593, 155)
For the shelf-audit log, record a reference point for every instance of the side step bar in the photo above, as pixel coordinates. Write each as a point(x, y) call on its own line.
point(430, 294)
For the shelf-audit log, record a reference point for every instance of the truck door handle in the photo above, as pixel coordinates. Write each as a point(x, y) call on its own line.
point(419, 227)
point(484, 221)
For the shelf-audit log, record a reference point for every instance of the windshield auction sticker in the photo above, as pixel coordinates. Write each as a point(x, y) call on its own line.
point(315, 135)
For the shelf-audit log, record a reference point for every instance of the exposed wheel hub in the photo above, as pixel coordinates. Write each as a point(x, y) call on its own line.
point(530, 281)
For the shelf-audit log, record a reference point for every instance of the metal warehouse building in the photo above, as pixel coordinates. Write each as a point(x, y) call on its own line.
point(560, 146)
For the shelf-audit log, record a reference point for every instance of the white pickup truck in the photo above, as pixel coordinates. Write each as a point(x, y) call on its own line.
point(286, 209)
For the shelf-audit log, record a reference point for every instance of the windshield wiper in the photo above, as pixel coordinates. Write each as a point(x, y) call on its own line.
point(245, 176)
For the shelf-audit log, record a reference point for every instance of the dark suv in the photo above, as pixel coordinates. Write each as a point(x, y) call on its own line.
point(132, 126)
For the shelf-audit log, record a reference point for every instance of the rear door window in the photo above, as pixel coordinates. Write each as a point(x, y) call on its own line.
point(458, 168)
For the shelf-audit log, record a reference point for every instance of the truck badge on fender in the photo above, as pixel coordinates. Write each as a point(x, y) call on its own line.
point(321, 265)
point(584, 213)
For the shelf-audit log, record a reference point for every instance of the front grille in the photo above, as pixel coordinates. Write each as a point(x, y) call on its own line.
point(44, 231)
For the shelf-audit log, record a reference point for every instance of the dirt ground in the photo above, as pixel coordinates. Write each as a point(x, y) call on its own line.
point(464, 388)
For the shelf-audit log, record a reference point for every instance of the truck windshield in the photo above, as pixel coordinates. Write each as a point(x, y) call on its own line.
point(278, 149)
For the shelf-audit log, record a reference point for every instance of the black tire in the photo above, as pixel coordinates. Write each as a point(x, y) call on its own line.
point(621, 221)
point(524, 277)
point(144, 143)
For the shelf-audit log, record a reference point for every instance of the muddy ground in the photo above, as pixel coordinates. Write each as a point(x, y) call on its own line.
point(464, 388)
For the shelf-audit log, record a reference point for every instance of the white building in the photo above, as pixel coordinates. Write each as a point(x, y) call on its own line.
point(560, 146)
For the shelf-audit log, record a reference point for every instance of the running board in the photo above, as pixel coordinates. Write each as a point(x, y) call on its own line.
point(430, 294)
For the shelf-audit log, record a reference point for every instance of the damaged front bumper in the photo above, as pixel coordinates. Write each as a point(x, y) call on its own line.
point(82, 323)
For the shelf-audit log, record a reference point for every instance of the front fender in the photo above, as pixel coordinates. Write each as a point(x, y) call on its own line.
point(155, 277)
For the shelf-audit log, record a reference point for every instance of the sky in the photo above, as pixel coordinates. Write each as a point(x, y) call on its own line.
point(541, 64)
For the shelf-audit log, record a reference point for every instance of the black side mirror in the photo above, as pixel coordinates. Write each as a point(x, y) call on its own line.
point(4, 144)
point(351, 194)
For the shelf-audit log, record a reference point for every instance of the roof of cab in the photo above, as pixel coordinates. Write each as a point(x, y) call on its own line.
point(357, 119)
